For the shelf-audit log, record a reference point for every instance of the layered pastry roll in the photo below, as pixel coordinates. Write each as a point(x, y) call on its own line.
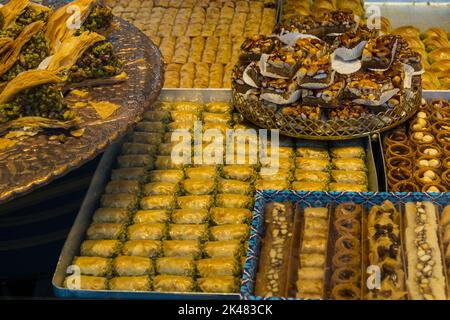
point(158, 202)
point(224, 54)
point(172, 176)
point(238, 172)
point(128, 174)
point(198, 232)
point(155, 115)
point(215, 117)
point(187, 73)
point(196, 52)
point(150, 126)
point(221, 284)
point(313, 260)
point(146, 231)
point(167, 48)
point(86, 283)
point(227, 75)
point(122, 186)
point(310, 289)
point(355, 177)
point(348, 187)
point(142, 248)
point(223, 249)
point(134, 160)
point(138, 148)
point(218, 107)
point(209, 53)
point(227, 200)
point(166, 163)
point(312, 164)
point(312, 152)
point(201, 75)
point(203, 172)
point(234, 187)
point(170, 283)
point(316, 213)
point(149, 137)
point(314, 245)
point(182, 47)
point(216, 75)
point(349, 164)
point(281, 174)
point(198, 186)
point(182, 248)
point(111, 215)
point(272, 185)
point(172, 76)
point(190, 216)
point(309, 186)
point(311, 176)
point(141, 283)
point(175, 266)
point(105, 231)
point(160, 188)
point(195, 202)
point(311, 273)
point(216, 267)
point(238, 24)
point(100, 248)
point(132, 266)
point(93, 266)
point(229, 232)
point(223, 216)
point(347, 152)
point(151, 216)
point(421, 223)
point(318, 224)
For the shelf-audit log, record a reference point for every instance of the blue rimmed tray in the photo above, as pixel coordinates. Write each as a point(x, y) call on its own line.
point(314, 199)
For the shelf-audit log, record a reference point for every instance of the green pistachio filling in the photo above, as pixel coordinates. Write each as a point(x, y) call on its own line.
point(99, 61)
point(31, 55)
point(26, 17)
point(99, 18)
point(41, 101)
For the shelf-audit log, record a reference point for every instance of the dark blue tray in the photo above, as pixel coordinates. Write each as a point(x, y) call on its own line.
point(315, 199)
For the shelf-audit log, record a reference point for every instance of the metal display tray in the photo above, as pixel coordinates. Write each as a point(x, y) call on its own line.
point(427, 95)
point(90, 204)
point(315, 199)
point(92, 199)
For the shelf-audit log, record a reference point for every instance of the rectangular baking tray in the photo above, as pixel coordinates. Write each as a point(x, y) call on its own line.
point(90, 204)
point(427, 95)
point(315, 199)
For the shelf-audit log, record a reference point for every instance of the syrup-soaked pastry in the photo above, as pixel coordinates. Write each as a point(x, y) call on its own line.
point(385, 251)
point(346, 291)
point(348, 110)
point(303, 111)
point(338, 21)
point(284, 62)
point(327, 97)
point(348, 210)
point(347, 226)
point(368, 86)
point(301, 24)
point(425, 279)
point(346, 275)
point(347, 259)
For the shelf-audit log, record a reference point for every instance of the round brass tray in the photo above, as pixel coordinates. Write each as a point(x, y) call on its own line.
point(35, 161)
point(342, 129)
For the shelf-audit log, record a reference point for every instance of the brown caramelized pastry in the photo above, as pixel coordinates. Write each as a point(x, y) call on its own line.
point(439, 54)
point(432, 151)
point(428, 162)
point(346, 291)
point(434, 32)
point(396, 162)
point(399, 174)
point(253, 47)
point(406, 31)
point(345, 275)
point(433, 188)
point(347, 243)
point(399, 150)
point(378, 52)
point(443, 139)
point(405, 186)
point(348, 210)
point(346, 259)
point(349, 226)
point(396, 136)
point(426, 176)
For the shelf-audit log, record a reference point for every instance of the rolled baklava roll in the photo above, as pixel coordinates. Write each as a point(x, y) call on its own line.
point(209, 53)
point(187, 73)
point(440, 126)
point(167, 48)
point(345, 275)
point(347, 226)
point(172, 76)
point(443, 139)
point(201, 75)
point(216, 75)
point(347, 259)
point(196, 52)
point(347, 243)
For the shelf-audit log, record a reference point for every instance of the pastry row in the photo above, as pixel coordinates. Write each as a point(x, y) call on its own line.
point(293, 8)
point(417, 154)
point(404, 257)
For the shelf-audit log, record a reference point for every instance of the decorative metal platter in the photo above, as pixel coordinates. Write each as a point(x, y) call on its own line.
point(35, 161)
point(326, 129)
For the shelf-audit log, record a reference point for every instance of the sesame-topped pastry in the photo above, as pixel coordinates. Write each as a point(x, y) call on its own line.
point(284, 62)
point(253, 47)
point(338, 21)
point(378, 52)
